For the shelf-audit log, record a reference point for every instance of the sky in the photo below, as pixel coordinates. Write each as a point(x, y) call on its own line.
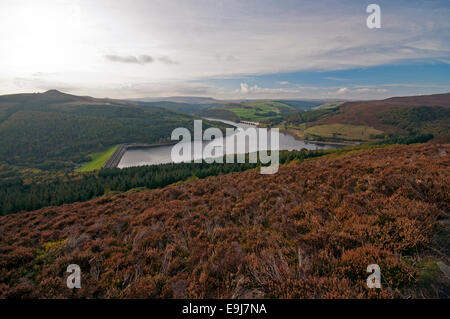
point(226, 49)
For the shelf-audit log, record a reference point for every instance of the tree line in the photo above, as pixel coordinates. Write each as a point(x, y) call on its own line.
point(16, 194)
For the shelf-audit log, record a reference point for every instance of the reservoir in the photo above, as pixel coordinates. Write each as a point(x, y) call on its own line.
point(162, 154)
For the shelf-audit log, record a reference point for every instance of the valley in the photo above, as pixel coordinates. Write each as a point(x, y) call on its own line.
point(54, 130)
point(347, 122)
point(169, 227)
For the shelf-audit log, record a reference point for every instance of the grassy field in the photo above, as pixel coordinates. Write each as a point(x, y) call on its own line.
point(98, 160)
point(294, 132)
point(263, 111)
point(344, 131)
point(260, 111)
point(328, 105)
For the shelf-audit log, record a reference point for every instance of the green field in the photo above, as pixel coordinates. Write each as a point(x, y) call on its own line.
point(263, 111)
point(260, 111)
point(97, 160)
point(344, 131)
point(328, 105)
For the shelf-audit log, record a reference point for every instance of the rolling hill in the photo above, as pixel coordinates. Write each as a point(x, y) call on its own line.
point(309, 231)
point(265, 111)
point(57, 130)
point(177, 106)
point(390, 118)
point(371, 112)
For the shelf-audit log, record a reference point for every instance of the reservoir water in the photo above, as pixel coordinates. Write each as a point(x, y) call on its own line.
point(162, 154)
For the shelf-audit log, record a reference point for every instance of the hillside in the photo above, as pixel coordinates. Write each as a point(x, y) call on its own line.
point(367, 112)
point(266, 111)
point(399, 116)
point(57, 130)
point(310, 231)
point(177, 106)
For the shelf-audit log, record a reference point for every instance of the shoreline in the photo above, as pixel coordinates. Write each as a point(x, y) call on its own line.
point(286, 131)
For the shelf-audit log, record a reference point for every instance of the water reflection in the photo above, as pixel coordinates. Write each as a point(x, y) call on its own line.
point(162, 154)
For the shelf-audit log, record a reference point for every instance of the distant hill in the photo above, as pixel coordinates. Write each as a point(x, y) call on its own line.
point(309, 231)
point(428, 114)
point(56, 130)
point(266, 111)
point(366, 112)
point(185, 104)
point(302, 105)
point(210, 107)
point(182, 99)
point(178, 106)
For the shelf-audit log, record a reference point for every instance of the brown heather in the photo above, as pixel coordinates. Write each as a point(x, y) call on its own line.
point(309, 231)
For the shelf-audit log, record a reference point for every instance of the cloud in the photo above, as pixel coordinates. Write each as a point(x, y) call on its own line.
point(245, 88)
point(359, 91)
point(41, 84)
point(235, 39)
point(167, 88)
point(257, 91)
point(142, 59)
point(231, 58)
point(367, 90)
point(342, 91)
point(167, 60)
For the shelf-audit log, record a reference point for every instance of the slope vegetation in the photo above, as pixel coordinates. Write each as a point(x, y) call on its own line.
point(374, 113)
point(266, 111)
point(415, 117)
point(309, 231)
point(56, 130)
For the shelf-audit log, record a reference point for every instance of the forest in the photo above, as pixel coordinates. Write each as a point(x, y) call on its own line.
point(24, 193)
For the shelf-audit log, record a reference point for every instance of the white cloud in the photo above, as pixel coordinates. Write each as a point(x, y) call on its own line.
point(185, 39)
point(255, 91)
point(342, 91)
point(244, 88)
point(359, 92)
point(141, 59)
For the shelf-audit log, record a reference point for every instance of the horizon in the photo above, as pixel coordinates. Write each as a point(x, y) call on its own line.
point(161, 98)
point(236, 50)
